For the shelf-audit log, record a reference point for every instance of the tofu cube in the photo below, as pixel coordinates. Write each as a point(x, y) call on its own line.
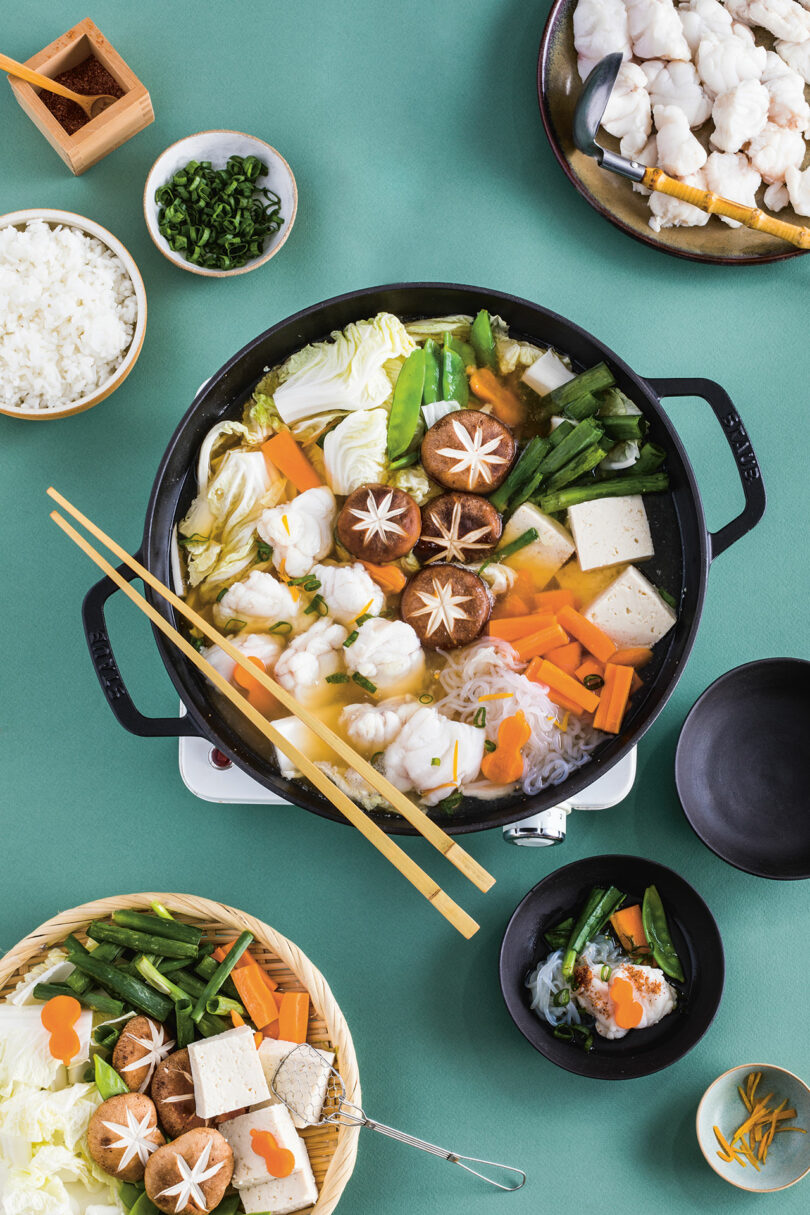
point(544, 556)
point(226, 1072)
point(585, 587)
point(249, 1168)
point(304, 739)
point(307, 1073)
point(547, 373)
point(610, 531)
point(284, 1194)
point(631, 611)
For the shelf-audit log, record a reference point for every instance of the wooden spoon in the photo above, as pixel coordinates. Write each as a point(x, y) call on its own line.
point(92, 104)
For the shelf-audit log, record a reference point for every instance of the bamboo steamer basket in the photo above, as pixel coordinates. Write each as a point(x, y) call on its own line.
point(332, 1149)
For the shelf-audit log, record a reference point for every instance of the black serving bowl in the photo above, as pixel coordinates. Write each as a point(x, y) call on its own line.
point(695, 936)
point(742, 768)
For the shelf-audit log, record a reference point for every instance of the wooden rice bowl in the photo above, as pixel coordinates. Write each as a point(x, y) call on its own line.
point(332, 1150)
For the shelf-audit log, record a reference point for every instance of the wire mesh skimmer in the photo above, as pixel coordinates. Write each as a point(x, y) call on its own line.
point(299, 1084)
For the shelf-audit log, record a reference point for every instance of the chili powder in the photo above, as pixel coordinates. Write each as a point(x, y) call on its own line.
point(88, 77)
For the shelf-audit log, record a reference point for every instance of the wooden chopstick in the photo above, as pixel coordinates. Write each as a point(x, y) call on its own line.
point(432, 832)
point(451, 911)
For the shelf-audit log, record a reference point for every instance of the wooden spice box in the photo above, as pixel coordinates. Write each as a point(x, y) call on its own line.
point(114, 126)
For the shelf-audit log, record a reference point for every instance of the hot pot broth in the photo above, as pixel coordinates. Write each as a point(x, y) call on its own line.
point(429, 646)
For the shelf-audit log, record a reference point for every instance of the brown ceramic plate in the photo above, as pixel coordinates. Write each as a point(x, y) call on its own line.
point(558, 86)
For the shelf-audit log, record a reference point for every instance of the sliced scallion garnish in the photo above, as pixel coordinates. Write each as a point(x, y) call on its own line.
point(362, 682)
point(561, 998)
point(480, 718)
point(338, 677)
point(281, 627)
point(350, 640)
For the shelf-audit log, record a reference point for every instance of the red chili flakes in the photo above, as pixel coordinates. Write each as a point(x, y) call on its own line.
point(89, 78)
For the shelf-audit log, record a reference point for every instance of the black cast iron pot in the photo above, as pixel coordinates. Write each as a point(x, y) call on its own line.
point(684, 549)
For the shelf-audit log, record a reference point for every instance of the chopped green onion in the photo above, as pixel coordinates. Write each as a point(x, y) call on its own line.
point(350, 640)
point(426, 699)
point(565, 1032)
point(221, 595)
point(613, 487)
point(159, 925)
point(281, 627)
point(362, 682)
point(480, 718)
point(234, 625)
point(161, 911)
point(221, 974)
point(561, 998)
point(593, 380)
point(338, 677)
point(198, 643)
point(263, 551)
point(489, 745)
point(527, 537)
point(318, 605)
point(435, 761)
point(667, 598)
point(592, 682)
point(184, 1026)
point(308, 581)
point(605, 973)
point(362, 619)
point(376, 757)
point(448, 804)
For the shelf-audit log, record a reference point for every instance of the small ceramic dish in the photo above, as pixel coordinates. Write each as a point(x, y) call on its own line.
point(218, 146)
point(19, 219)
point(695, 936)
point(720, 1106)
point(742, 768)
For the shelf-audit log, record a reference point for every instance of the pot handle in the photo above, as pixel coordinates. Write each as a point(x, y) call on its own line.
point(106, 668)
point(741, 449)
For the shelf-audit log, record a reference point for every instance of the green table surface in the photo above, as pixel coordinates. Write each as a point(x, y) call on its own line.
point(414, 134)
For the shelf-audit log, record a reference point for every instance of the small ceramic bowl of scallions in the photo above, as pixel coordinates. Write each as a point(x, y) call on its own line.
point(220, 203)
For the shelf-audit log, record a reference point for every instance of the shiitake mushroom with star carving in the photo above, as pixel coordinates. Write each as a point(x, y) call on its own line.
point(458, 527)
point(468, 450)
point(378, 523)
point(446, 606)
point(142, 1045)
point(197, 1165)
point(123, 1135)
point(172, 1091)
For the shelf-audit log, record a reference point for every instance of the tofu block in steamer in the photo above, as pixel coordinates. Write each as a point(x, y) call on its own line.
point(544, 556)
point(226, 1072)
point(248, 1167)
point(282, 1195)
point(304, 1071)
point(610, 531)
point(631, 611)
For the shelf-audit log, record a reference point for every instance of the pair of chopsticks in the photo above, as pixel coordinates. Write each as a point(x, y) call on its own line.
point(357, 817)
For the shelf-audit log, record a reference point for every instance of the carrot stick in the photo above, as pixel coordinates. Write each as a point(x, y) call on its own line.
point(388, 577)
point(511, 605)
point(259, 1001)
point(636, 656)
point(635, 683)
point(552, 601)
point(592, 637)
point(560, 682)
point(262, 700)
point(613, 701)
point(221, 952)
point(590, 667)
point(283, 453)
point(506, 405)
point(511, 628)
point(566, 657)
point(293, 1016)
point(549, 638)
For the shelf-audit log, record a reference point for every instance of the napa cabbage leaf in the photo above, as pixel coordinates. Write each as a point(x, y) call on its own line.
point(355, 451)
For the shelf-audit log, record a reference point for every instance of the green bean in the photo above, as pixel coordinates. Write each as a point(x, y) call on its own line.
point(158, 926)
point(593, 380)
point(600, 905)
point(141, 942)
point(403, 419)
point(483, 342)
point(108, 1082)
point(221, 973)
point(220, 1006)
point(184, 1026)
point(656, 930)
point(97, 1000)
point(454, 378)
point(433, 373)
point(132, 990)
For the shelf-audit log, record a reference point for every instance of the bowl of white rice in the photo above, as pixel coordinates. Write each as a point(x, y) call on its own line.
point(72, 313)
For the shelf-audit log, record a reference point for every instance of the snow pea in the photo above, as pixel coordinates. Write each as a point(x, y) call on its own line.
point(404, 417)
point(454, 379)
point(463, 349)
point(483, 342)
point(433, 373)
point(656, 930)
point(129, 1193)
point(108, 1082)
point(144, 1206)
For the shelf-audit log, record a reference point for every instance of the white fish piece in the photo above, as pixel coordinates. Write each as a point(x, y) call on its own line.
point(628, 110)
point(668, 212)
point(782, 18)
point(349, 591)
point(731, 175)
point(300, 532)
point(261, 601)
point(650, 989)
point(600, 28)
point(776, 197)
point(722, 64)
point(655, 30)
point(774, 150)
point(263, 646)
point(426, 737)
point(303, 667)
point(788, 106)
point(389, 654)
point(739, 115)
point(677, 83)
point(798, 187)
point(704, 19)
point(679, 153)
point(370, 728)
point(796, 55)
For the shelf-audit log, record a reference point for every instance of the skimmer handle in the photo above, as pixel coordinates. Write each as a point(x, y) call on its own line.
point(516, 1177)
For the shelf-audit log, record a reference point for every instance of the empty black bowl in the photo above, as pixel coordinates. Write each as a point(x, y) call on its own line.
point(742, 768)
point(694, 933)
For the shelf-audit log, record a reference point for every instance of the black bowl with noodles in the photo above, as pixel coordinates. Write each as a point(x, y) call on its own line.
point(694, 934)
point(684, 548)
point(558, 88)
